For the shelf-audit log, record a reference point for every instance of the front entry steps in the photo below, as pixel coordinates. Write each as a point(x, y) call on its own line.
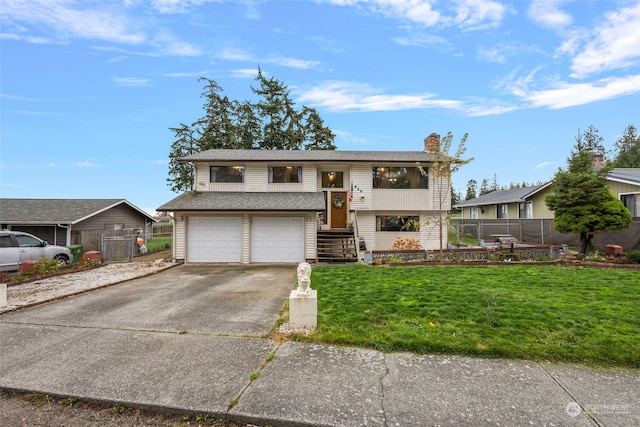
point(337, 245)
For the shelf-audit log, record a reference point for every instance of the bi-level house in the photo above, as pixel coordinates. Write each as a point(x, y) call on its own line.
point(268, 206)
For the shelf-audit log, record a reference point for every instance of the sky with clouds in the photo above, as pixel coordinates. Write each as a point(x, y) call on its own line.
point(89, 89)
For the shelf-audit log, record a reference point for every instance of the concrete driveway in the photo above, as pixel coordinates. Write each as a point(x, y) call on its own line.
point(207, 299)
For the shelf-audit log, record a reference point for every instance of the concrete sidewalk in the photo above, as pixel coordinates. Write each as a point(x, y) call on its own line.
point(307, 384)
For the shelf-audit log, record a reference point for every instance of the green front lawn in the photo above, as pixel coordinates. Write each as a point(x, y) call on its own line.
point(555, 313)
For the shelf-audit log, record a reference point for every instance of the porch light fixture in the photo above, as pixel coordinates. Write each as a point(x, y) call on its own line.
point(332, 175)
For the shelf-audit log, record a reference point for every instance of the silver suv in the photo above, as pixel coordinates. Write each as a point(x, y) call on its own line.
point(17, 247)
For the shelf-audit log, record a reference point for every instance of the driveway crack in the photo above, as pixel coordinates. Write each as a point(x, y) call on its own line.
point(382, 390)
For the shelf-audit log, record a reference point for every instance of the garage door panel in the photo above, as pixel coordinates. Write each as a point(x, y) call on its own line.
point(277, 239)
point(214, 239)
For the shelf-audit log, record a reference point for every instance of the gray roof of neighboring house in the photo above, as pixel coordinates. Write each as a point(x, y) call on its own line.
point(240, 201)
point(625, 175)
point(56, 211)
point(513, 195)
point(226, 155)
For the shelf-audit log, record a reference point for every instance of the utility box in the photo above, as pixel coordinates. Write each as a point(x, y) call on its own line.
point(613, 250)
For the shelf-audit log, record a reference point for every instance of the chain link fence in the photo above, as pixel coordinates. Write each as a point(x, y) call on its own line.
point(541, 231)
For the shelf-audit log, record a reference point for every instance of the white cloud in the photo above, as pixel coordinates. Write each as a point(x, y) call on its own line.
point(178, 6)
point(192, 74)
point(346, 96)
point(239, 55)
point(543, 165)
point(33, 113)
point(245, 73)
point(421, 39)
point(102, 22)
point(494, 54)
point(479, 14)
point(615, 44)
point(131, 81)
point(548, 14)
point(169, 45)
point(86, 164)
point(467, 14)
point(231, 54)
point(28, 39)
point(565, 95)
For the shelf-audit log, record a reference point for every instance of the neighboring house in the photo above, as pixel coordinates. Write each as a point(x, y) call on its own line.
point(63, 221)
point(515, 203)
point(624, 183)
point(269, 205)
point(528, 202)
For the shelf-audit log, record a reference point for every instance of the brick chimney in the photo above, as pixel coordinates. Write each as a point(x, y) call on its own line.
point(432, 143)
point(598, 161)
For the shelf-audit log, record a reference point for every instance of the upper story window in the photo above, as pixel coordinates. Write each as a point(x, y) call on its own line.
point(332, 180)
point(398, 177)
point(285, 174)
point(234, 174)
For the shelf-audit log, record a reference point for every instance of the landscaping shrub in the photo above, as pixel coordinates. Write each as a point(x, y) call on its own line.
point(406, 244)
point(46, 266)
point(633, 256)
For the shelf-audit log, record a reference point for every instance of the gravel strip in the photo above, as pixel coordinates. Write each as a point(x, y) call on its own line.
point(51, 288)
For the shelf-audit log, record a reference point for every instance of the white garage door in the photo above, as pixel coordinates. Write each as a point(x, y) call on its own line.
point(277, 239)
point(213, 239)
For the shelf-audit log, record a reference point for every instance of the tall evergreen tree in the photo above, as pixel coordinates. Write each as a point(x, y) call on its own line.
point(484, 187)
point(270, 123)
point(472, 186)
point(319, 136)
point(582, 203)
point(627, 149)
point(589, 141)
point(181, 174)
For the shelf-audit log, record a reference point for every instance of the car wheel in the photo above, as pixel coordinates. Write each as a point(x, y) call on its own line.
point(62, 260)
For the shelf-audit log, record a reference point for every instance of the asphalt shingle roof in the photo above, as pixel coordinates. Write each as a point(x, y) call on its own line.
point(239, 201)
point(628, 175)
point(54, 211)
point(226, 155)
point(512, 195)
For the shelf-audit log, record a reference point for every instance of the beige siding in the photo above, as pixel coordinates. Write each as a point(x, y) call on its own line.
point(384, 239)
point(360, 176)
point(440, 192)
point(540, 209)
point(256, 176)
point(430, 231)
point(202, 177)
point(245, 246)
point(309, 178)
point(289, 187)
point(310, 237)
point(618, 188)
point(367, 228)
point(179, 237)
point(402, 200)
